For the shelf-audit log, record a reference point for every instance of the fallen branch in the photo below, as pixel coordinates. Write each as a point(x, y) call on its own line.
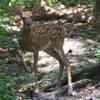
point(86, 72)
point(63, 90)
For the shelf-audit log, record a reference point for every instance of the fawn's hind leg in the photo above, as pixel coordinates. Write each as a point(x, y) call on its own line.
point(52, 53)
point(62, 56)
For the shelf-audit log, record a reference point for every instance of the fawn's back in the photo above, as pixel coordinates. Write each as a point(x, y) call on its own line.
point(41, 36)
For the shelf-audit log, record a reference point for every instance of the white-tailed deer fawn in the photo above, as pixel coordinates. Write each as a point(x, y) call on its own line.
point(38, 36)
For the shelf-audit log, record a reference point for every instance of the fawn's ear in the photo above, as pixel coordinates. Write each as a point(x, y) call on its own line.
point(18, 10)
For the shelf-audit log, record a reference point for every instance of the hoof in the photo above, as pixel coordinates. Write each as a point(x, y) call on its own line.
point(72, 93)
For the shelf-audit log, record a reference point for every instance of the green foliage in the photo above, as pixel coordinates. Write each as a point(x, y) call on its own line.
point(71, 2)
point(3, 36)
point(51, 2)
point(7, 80)
point(7, 84)
point(2, 31)
point(97, 52)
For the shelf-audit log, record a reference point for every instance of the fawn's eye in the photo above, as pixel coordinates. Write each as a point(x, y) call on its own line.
point(31, 16)
point(23, 17)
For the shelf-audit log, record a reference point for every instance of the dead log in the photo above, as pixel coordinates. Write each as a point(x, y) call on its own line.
point(79, 84)
point(86, 72)
point(47, 17)
point(63, 90)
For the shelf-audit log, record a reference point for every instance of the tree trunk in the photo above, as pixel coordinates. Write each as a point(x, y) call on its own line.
point(97, 18)
point(97, 8)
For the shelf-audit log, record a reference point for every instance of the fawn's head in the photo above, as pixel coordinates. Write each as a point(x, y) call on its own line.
point(25, 16)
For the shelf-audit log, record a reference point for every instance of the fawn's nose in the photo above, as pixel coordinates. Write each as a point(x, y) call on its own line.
point(28, 24)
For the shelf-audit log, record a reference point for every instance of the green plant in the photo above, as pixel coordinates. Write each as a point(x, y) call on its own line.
point(7, 84)
point(97, 52)
point(7, 80)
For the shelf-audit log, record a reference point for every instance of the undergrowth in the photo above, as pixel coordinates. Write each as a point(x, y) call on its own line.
point(7, 79)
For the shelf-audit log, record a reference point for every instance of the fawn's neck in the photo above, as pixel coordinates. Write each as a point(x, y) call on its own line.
point(26, 31)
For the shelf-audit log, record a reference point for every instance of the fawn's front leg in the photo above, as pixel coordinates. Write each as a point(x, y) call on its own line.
point(36, 69)
point(66, 62)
